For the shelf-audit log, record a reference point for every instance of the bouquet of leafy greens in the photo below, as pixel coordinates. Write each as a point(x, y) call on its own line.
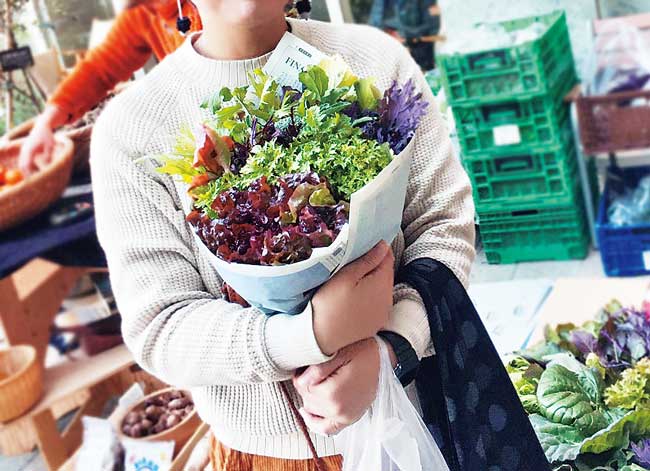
point(587, 390)
point(272, 169)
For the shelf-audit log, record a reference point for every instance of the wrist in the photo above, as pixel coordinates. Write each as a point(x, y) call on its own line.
point(404, 359)
point(392, 355)
point(52, 117)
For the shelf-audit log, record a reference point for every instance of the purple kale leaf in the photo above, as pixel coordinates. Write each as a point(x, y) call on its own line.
point(399, 114)
point(641, 452)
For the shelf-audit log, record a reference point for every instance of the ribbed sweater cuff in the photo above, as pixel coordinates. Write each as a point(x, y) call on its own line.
point(409, 319)
point(291, 342)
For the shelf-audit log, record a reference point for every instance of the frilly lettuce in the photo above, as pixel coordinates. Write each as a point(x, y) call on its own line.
point(632, 391)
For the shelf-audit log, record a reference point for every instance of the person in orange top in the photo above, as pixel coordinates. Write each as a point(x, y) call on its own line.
point(146, 27)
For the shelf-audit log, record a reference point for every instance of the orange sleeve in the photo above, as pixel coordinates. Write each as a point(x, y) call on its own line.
point(124, 51)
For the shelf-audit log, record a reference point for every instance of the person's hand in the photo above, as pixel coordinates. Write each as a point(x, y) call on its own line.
point(395, 34)
point(337, 393)
point(355, 303)
point(38, 147)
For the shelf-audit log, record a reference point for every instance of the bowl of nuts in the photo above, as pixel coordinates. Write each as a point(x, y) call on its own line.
point(165, 415)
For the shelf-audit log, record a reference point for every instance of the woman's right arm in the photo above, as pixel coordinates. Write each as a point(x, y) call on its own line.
point(124, 51)
point(115, 60)
point(179, 328)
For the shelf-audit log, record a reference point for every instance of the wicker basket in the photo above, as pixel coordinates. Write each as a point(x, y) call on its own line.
point(179, 434)
point(39, 190)
point(609, 123)
point(21, 381)
point(80, 138)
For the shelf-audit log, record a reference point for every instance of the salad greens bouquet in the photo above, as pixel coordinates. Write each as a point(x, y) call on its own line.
point(587, 391)
point(272, 169)
point(285, 184)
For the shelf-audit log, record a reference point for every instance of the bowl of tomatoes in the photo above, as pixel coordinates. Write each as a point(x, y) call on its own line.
point(23, 196)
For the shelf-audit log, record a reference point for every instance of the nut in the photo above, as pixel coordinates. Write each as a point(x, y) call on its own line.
point(172, 421)
point(132, 418)
point(136, 431)
point(178, 403)
point(153, 412)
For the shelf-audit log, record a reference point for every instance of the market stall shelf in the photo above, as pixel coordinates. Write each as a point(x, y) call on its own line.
point(31, 297)
point(84, 385)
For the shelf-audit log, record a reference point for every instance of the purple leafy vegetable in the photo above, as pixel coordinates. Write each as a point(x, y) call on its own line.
point(623, 339)
point(641, 452)
point(400, 111)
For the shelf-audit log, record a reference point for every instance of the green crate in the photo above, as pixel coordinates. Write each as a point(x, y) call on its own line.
point(551, 233)
point(513, 125)
point(543, 175)
point(541, 66)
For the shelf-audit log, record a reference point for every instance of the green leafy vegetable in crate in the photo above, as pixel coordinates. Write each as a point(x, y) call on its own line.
point(587, 390)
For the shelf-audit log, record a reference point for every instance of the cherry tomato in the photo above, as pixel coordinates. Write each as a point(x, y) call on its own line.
point(13, 176)
point(3, 170)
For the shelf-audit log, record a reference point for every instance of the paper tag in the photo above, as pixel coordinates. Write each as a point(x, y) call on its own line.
point(291, 56)
point(506, 135)
point(646, 259)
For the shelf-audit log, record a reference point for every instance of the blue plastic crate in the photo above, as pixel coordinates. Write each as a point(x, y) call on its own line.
point(624, 251)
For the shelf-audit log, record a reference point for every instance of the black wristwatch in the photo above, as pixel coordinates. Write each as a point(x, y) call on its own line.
point(407, 360)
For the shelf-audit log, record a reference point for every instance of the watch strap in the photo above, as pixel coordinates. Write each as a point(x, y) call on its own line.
point(407, 360)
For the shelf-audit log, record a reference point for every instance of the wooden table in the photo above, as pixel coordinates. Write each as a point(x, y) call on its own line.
point(578, 299)
point(31, 298)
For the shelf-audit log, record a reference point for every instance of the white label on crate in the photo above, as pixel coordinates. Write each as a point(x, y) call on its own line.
point(506, 135)
point(646, 259)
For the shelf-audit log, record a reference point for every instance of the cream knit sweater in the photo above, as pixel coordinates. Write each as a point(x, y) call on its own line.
point(174, 318)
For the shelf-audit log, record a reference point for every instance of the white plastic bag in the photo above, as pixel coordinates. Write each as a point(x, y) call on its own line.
point(391, 436)
point(618, 59)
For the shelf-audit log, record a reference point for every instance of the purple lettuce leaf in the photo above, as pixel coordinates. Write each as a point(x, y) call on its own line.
point(256, 225)
point(584, 341)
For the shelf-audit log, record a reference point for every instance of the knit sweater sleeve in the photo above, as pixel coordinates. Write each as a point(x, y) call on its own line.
point(176, 325)
point(438, 218)
point(124, 51)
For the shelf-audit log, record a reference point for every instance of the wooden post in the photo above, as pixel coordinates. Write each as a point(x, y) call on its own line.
point(10, 44)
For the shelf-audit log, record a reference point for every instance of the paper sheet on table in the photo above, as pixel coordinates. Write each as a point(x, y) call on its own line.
point(510, 310)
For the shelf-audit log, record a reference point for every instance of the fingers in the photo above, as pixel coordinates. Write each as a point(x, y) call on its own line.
point(385, 267)
point(25, 160)
point(320, 425)
point(366, 264)
point(316, 374)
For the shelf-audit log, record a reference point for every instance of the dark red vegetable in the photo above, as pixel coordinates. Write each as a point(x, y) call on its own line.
point(272, 224)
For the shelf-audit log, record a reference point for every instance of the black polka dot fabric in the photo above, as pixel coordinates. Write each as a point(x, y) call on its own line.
point(468, 401)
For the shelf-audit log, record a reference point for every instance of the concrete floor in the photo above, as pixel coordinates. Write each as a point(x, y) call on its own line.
point(590, 267)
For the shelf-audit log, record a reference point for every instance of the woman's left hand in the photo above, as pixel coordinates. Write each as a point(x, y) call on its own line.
point(337, 393)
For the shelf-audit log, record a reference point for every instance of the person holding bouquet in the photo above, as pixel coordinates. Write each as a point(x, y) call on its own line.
point(239, 363)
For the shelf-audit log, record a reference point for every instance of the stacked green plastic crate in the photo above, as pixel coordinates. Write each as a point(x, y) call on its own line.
point(517, 145)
